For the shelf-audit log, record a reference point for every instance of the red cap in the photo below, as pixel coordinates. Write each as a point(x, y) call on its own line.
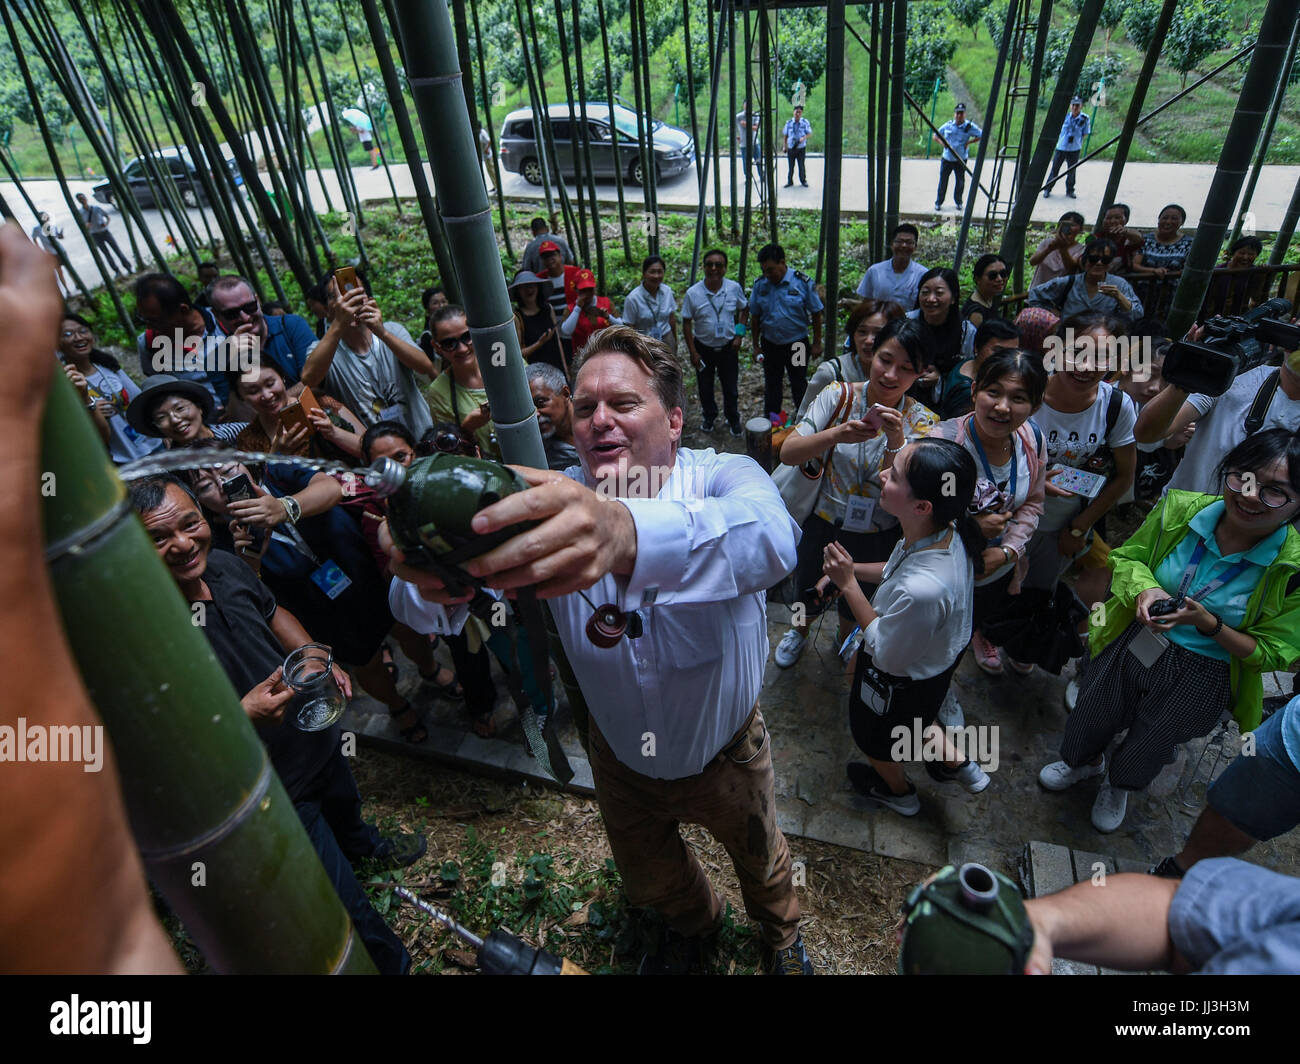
point(548, 246)
point(586, 279)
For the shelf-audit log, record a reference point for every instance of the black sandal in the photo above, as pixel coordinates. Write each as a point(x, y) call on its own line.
point(451, 689)
point(408, 734)
point(387, 660)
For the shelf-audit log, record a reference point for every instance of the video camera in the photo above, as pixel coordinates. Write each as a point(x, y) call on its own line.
point(1232, 346)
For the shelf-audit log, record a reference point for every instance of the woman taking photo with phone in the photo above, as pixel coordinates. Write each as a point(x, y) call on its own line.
point(862, 426)
point(1010, 453)
point(915, 628)
point(1205, 599)
point(320, 427)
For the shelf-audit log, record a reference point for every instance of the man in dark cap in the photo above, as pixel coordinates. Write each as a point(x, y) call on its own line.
point(955, 136)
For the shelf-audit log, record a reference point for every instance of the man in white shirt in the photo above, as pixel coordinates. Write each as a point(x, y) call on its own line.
point(714, 317)
point(689, 540)
point(1221, 421)
point(896, 278)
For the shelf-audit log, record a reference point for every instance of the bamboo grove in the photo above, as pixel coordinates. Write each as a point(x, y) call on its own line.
point(266, 81)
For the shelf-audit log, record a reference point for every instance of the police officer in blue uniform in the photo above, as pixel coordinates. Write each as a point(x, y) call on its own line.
point(955, 136)
point(1076, 126)
point(782, 305)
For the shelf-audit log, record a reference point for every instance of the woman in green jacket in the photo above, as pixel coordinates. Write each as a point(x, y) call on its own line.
point(1205, 598)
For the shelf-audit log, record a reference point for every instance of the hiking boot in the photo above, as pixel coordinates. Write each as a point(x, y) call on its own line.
point(1058, 776)
point(790, 647)
point(868, 783)
point(986, 654)
point(1109, 808)
point(398, 851)
point(793, 960)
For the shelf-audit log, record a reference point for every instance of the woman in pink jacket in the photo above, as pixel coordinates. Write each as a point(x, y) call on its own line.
point(1011, 457)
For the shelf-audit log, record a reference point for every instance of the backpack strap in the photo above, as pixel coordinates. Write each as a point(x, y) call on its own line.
point(1113, 407)
point(1263, 400)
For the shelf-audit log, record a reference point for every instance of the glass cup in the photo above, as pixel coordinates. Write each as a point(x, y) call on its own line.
point(318, 699)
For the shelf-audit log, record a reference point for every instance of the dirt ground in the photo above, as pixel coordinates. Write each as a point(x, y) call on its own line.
point(850, 901)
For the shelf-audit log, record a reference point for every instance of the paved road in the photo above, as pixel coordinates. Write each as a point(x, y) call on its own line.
point(1146, 187)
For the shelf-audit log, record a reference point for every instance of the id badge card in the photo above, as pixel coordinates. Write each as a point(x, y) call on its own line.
point(857, 514)
point(331, 579)
point(391, 413)
point(1147, 646)
point(876, 692)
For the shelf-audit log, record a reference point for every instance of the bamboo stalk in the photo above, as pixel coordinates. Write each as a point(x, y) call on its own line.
point(652, 174)
point(365, 97)
point(541, 122)
point(695, 122)
point(618, 154)
point(834, 154)
point(586, 151)
point(492, 133)
point(576, 136)
point(711, 135)
point(895, 182)
point(1030, 125)
point(715, 86)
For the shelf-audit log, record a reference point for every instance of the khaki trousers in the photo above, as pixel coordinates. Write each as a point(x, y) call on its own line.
point(734, 799)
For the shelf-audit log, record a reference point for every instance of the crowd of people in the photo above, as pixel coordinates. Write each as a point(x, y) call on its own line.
point(946, 486)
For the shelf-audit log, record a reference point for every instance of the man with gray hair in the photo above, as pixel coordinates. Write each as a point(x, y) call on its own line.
point(286, 338)
point(683, 543)
point(554, 404)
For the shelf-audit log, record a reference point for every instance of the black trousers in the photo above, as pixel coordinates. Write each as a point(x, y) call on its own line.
point(723, 361)
point(1069, 158)
point(778, 360)
point(330, 809)
point(792, 156)
point(958, 169)
point(108, 242)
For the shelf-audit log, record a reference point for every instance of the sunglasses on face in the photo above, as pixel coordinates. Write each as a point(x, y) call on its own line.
point(1096, 258)
point(231, 313)
point(994, 275)
point(455, 343)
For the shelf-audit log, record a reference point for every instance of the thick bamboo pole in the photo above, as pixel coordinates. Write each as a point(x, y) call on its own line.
point(875, 200)
point(1267, 136)
point(1286, 230)
point(897, 64)
point(434, 76)
point(715, 31)
point(690, 94)
point(1136, 102)
point(217, 832)
point(1013, 237)
point(770, 117)
point(1266, 66)
point(746, 222)
point(737, 158)
point(1030, 125)
point(644, 152)
point(652, 174)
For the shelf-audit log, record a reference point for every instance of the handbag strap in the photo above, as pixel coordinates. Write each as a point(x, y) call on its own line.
point(841, 414)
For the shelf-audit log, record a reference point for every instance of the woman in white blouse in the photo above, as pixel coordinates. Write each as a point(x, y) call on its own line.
point(650, 307)
point(916, 626)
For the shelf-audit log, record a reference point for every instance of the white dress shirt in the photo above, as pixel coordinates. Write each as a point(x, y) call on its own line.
point(716, 536)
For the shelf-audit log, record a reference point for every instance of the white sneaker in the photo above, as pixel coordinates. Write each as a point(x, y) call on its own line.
point(1058, 776)
point(950, 713)
point(1071, 695)
point(1109, 808)
point(790, 647)
point(973, 778)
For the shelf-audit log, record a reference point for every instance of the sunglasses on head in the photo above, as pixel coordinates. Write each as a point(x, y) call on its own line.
point(230, 313)
point(455, 343)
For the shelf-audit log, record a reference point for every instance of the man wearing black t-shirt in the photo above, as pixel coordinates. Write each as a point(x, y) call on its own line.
point(250, 636)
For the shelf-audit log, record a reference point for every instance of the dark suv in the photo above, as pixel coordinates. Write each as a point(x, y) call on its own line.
point(178, 163)
point(674, 150)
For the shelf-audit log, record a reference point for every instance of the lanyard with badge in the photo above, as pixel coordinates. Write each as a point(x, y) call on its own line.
point(327, 575)
point(1148, 644)
point(988, 468)
point(717, 314)
point(386, 407)
point(859, 510)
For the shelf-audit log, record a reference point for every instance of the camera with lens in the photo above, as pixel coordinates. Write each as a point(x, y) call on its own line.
point(1231, 345)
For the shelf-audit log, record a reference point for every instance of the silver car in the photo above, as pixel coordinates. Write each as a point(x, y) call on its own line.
point(674, 150)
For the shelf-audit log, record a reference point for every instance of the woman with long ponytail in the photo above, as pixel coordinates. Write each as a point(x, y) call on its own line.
point(916, 627)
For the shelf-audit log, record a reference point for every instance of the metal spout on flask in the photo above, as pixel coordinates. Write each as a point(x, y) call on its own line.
point(385, 477)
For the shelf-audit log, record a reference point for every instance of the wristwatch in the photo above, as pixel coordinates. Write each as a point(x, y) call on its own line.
point(292, 508)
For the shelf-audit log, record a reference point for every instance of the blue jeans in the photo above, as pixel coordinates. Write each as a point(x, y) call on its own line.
point(330, 810)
